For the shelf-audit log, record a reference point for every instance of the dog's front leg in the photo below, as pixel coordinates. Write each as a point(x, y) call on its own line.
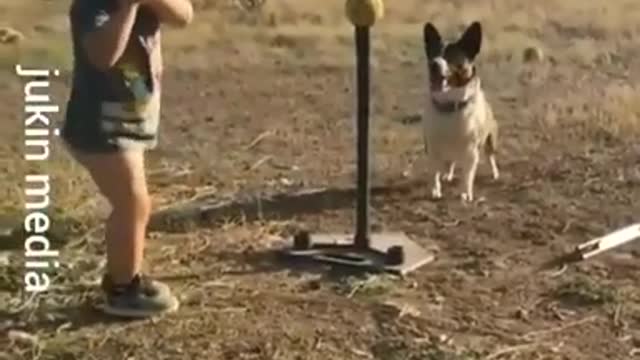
point(436, 165)
point(436, 191)
point(469, 165)
point(451, 171)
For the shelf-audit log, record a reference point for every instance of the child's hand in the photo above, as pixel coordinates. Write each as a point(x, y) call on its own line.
point(132, 2)
point(176, 12)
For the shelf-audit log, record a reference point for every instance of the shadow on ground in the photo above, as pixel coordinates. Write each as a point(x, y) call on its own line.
point(269, 207)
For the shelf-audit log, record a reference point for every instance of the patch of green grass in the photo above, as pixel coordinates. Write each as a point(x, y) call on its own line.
point(584, 291)
point(368, 287)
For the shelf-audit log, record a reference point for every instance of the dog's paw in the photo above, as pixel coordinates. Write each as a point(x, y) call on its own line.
point(436, 193)
point(466, 197)
point(448, 178)
point(494, 169)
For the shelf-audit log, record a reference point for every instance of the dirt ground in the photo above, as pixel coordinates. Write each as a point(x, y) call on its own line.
point(261, 101)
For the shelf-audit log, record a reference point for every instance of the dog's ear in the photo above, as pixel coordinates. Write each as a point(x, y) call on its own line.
point(432, 41)
point(471, 40)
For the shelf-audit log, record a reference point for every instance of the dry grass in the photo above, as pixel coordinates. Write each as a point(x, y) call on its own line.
point(586, 35)
point(587, 45)
point(45, 28)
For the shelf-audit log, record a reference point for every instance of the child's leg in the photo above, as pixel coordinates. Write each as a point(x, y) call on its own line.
point(120, 176)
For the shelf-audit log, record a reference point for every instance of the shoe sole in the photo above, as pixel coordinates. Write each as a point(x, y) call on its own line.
point(135, 314)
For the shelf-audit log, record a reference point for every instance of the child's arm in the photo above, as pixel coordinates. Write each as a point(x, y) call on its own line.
point(174, 12)
point(108, 35)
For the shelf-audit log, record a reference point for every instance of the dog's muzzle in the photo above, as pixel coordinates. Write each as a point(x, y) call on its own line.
point(438, 74)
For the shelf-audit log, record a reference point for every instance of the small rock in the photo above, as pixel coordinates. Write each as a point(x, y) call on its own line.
point(444, 339)
point(286, 182)
point(532, 54)
point(522, 314)
point(314, 285)
point(603, 59)
point(402, 309)
point(10, 36)
point(438, 299)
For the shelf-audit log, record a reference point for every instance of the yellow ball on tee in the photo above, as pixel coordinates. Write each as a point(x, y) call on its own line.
point(364, 13)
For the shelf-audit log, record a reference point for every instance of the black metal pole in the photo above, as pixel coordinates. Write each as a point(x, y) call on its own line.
point(363, 138)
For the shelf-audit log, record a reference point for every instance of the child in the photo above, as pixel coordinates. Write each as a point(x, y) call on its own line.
point(112, 118)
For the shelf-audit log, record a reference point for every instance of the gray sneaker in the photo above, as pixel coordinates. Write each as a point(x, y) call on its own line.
point(141, 298)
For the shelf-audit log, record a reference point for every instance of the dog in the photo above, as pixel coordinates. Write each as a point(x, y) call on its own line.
point(458, 119)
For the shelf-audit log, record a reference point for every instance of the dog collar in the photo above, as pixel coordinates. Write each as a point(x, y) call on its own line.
point(451, 106)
